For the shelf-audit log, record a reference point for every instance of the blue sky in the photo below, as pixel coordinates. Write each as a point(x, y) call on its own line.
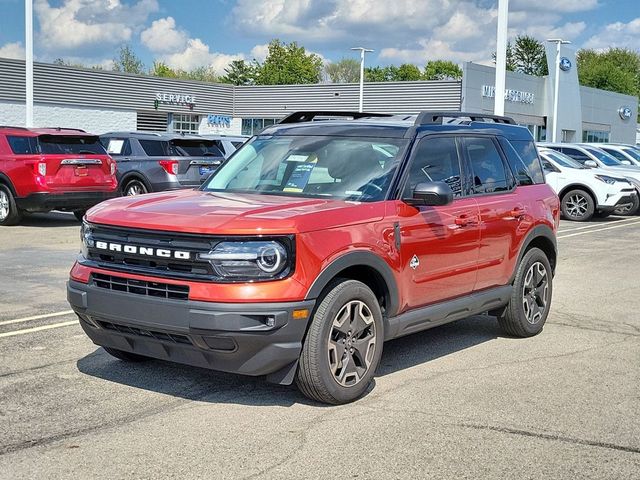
point(191, 33)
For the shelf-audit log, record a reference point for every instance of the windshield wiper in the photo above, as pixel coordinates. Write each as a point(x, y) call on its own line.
point(89, 152)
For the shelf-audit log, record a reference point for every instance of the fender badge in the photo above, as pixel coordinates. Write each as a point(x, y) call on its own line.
point(414, 262)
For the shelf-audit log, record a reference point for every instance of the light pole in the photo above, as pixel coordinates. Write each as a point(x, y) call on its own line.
point(362, 52)
point(28, 61)
point(501, 56)
point(559, 42)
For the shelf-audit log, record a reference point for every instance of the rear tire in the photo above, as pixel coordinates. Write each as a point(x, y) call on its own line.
point(125, 356)
point(343, 345)
point(10, 214)
point(134, 187)
point(528, 308)
point(630, 210)
point(79, 214)
point(577, 205)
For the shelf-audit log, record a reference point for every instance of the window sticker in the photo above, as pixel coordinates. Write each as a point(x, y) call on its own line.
point(115, 147)
point(297, 158)
point(301, 174)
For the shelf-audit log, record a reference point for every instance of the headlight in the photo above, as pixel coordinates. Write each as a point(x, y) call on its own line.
point(251, 259)
point(86, 239)
point(608, 180)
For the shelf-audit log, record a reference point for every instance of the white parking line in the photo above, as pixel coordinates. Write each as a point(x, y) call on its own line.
point(595, 225)
point(36, 317)
point(600, 229)
point(37, 329)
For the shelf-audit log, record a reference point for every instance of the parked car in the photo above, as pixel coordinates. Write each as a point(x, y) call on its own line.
point(318, 241)
point(226, 143)
point(155, 162)
point(593, 157)
point(585, 191)
point(625, 154)
point(44, 169)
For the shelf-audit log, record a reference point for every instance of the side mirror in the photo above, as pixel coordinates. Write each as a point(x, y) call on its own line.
point(431, 194)
point(625, 162)
point(590, 164)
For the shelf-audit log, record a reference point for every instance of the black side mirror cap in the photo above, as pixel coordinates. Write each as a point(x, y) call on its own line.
point(431, 194)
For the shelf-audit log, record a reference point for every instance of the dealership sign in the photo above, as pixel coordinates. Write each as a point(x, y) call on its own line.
point(625, 112)
point(174, 99)
point(565, 64)
point(219, 121)
point(516, 96)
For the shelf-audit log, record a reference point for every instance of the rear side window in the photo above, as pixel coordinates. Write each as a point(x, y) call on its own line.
point(488, 169)
point(526, 163)
point(67, 144)
point(23, 145)
point(117, 146)
point(196, 148)
point(155, 148)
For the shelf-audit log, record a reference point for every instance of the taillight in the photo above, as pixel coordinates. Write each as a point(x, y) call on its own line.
point(170, 166)
point(40, 168)
point(113, 168)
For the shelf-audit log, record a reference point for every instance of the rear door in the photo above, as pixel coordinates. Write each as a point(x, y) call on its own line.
point(75, 162)
point(197, 158)
point(439, 245)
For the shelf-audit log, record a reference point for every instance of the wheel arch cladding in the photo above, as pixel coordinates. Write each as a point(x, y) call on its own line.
point(577, 186)
point(541, 237)
point(6, 181)
point(367, 268)
point(135, 175)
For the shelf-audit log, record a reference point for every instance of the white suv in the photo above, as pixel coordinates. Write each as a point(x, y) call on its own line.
point(626, 154)
point(585, 191)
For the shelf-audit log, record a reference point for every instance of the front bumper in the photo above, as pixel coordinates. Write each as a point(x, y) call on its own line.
point(246, 338)
point(45, 202)
point(624, 198)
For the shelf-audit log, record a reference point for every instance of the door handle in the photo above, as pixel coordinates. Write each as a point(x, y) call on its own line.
point(517, 213)
point(465, 220)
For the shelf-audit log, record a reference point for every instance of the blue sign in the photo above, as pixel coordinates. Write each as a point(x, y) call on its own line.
point(565, 64)
point(219, 121)
point(625, 112)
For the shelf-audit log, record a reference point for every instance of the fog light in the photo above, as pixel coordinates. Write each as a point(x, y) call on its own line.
point(270, 322)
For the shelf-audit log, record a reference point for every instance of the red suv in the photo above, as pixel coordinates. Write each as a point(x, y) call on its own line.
point(317, 241)
point(43, 169)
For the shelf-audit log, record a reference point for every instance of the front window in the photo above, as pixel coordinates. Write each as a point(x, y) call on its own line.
point(605, 158)
point(346, 168)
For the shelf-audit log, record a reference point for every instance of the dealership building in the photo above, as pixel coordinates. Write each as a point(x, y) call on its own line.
point(100, 101)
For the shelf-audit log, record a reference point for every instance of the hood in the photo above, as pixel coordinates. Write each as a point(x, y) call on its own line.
point(195, 211)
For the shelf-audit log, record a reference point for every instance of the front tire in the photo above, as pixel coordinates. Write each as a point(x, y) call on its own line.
point(528, 308)
point(9, 212)
point(343, 346)
point(577, 205)
point(125, 356)
point(629, 210)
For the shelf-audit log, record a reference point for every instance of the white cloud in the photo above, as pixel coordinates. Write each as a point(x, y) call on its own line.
point(616, 35)
point(12, 50)
point(163, 36)
point(84, 24)
point(259, 52)
point(560, 6)
point(197, 54)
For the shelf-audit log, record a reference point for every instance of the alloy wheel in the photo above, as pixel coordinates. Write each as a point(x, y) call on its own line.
point(134, 188)
point(535, 291)
point(577, 205)
point(4, 205)
point(352, 343)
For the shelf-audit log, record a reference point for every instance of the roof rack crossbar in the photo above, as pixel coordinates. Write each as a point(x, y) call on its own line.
point(308, 116)
point(64, 128)
point(437, 117)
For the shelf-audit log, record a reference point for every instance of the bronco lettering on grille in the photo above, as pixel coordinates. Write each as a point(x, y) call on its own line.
point(147, 251)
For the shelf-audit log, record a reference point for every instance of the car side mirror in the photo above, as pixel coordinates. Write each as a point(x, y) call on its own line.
point(590, 164)
point(431, 194)
point(625, 162)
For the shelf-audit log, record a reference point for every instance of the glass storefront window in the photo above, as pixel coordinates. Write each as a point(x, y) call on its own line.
point(595, 136)
point(253, 126)
point(186, 123)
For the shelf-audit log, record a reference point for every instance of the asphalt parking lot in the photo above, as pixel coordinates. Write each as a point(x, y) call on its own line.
point(458, 401)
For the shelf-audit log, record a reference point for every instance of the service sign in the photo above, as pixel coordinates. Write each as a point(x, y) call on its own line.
point(175, 99)
point(516, 96)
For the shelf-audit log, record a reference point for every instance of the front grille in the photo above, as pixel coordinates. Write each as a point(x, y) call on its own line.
point(141, 287)
point(143, 332)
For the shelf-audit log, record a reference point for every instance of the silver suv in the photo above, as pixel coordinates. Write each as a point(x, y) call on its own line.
point(154, 162)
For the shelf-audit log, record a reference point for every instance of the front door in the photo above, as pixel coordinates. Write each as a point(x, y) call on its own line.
point(439, 245)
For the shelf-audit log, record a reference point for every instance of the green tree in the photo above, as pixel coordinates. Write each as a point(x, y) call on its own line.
point(202, 74)
point(616, 70)
point(526, 55)
point(407, 72)
point(161, 69)
point(128, 61)
point(346, 70)
point(288, 64)
point(442, 70)
point(239, 72)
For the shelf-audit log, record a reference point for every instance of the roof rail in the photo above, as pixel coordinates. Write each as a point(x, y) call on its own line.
point(13, 127)
point(428, 117)
point(308, 116)
point(64, 128)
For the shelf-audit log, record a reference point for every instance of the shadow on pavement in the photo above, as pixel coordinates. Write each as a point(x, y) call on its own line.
point(51, 219)
point(204, 385)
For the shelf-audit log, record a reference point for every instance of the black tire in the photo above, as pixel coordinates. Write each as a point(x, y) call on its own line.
point(514, 319)
point(79, 214)
point(10, 214)
point(315, 377)
point(134, 187)
point(577, 205)
point(125, 356)
point(629, 210)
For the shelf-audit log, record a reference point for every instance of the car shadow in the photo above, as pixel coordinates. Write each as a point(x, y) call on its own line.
point(205, 385)
point(51, 219)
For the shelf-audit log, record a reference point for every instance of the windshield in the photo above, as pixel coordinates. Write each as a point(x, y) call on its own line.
point(605, 158)
point(65, 144)
point(347, 168)
point(632, 152)
point(564, 161)
point(196, 148)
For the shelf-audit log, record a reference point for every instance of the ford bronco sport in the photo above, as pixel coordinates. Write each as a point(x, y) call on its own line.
point(45, 169)
point(319, 240)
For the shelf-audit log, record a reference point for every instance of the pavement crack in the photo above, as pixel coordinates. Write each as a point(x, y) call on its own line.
point(549, 436)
